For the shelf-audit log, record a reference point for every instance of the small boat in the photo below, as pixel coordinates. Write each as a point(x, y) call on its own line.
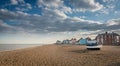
point(92, 44)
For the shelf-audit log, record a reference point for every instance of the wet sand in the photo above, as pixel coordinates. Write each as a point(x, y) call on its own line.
point(61, 55)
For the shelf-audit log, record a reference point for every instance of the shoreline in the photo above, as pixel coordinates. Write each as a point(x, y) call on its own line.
point(12, 47)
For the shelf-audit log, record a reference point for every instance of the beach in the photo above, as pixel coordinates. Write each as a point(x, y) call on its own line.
point(61, 55)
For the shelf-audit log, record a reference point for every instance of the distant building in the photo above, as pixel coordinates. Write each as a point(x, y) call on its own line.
point(108, 38)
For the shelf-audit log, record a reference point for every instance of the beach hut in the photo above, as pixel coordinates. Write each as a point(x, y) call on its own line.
point(73, 41)
point(66, 41)
point(58, 42)
point(83, 41)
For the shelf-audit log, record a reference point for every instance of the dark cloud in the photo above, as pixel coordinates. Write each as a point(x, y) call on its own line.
point(51, 21)
point(5, 27)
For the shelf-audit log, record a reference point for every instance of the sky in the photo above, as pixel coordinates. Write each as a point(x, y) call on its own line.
point(45, 21)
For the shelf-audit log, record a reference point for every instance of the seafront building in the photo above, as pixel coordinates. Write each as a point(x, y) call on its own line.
point(108, 38)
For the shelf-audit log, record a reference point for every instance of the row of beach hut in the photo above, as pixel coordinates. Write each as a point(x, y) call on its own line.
point(81, 41)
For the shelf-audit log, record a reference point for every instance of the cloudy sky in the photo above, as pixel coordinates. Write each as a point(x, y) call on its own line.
point(45, 21)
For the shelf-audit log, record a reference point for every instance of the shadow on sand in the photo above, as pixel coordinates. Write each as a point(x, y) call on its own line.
point(84, 50)
point(114, 64)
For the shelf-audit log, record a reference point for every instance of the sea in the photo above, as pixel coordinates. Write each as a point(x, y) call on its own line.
point(6, 47)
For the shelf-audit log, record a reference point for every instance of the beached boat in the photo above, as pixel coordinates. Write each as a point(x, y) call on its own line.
point(92, 44)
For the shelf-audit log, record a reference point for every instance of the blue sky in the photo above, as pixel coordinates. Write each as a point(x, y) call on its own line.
point(45, 21)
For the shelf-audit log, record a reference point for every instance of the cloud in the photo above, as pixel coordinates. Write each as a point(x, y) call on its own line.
point(104, 11)
point(5, 27)
point(74, 5)
point(21, 1)
point(110, 6)
point(18, 5)
point(83, 5)
point(52, 21)
point(49, 3)
point(107, 0)
point(28, 5)
point(53, 5)
point(113, 22)
point(8, 15)
point(14, 2)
